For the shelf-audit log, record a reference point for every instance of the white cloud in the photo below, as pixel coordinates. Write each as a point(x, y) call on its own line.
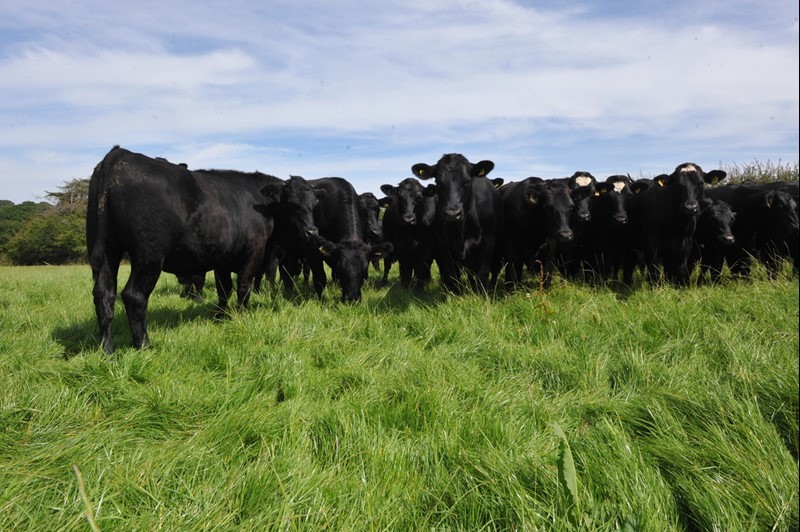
point(398, 83)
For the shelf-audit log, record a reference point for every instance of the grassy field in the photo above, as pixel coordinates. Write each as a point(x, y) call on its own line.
point(581, 408)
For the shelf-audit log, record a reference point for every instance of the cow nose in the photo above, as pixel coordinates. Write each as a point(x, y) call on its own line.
point(621, 219)
point(453, 214)
point(376, 233)
point(728, 239)
point(690, 206)
point(565, 235)
point(584, 216)
point(311, 232)
point(410, 219)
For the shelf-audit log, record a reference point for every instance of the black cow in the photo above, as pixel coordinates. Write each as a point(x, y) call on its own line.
point(664, 220)
point(712, 237)
point(537, 215)
point(341, 239)
point(603, 242)
point(370, 211)
point(297, 239)
point(408, 224)
point(468, 222)
point(582, 186)
point(172, 219)
point(766, 226)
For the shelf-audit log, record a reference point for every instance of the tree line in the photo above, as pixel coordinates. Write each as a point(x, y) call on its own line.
point(54, 231)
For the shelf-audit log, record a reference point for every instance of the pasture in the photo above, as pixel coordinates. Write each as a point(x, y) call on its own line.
point(576, 408)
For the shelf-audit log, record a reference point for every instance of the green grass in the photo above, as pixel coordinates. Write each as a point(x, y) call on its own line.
point(679, 410)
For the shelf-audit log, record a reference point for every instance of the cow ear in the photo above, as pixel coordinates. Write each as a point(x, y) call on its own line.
point(602, 188)
point(482, 168)
point(639, 186)
point(272, 192)
point(497, 182)
point(424, 171)
point(326, 247)
point(532, 195)
point(320, 193)
point(715, 176)
point(381, 250)
point(389, 190)
point(385, 202)
point(660, 180)
point(768, 199)
point(429, 191)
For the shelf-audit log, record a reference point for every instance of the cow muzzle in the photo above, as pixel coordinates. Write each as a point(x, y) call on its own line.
point(565, 236)
point(453, 215)
point(410, 219)
point(621, 219)
point(690, 207)
point(311, 232)
point(727, 239)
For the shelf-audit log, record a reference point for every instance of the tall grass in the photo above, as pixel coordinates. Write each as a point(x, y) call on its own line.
point(679, 410)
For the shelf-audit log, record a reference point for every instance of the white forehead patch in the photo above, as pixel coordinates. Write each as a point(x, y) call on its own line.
point(583, 181)
point(689, 168)
point(619, 186)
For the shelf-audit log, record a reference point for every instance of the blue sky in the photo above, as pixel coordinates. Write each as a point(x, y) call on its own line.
point(363, 90)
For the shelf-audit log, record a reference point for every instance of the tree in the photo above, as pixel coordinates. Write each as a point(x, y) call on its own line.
point(55, 234)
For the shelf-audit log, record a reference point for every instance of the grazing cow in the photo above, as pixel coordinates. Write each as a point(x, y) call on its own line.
point(665, 218)
point(468, 222)
point(766, 226)
point(712, 237)
point(341, 239)
point(408, 224)
point(537, 214)
point(603, 241)
point(172, 219)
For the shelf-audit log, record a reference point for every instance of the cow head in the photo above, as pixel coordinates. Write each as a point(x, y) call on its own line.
point(685, 185)
point(415, 205)
point(453, 174)
point(297, 201)
point(609, 202)
point(369, 209)
point(715, 222)
point(581, 179)
point(781, 213)
point(349, 262)
point(554, 206)
point(581, 197)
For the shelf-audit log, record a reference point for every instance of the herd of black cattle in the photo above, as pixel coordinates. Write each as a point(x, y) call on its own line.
point(188, 222)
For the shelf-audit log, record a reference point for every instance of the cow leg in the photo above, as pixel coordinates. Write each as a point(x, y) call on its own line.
point(135, 295)
point(405, 273)
point(224, 284)
point(387, 266)
point(105, 294)
point(319, 278)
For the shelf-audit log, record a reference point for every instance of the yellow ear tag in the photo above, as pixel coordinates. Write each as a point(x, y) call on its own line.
point(481, 173)
point(661, 182)
point(714, 180)
point(421, 172)
point(322, 249)
point(596, 192)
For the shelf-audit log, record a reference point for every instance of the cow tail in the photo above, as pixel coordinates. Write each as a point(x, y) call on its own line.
point(97, 209)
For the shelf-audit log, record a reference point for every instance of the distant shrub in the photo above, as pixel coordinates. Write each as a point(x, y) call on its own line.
point(761, 172)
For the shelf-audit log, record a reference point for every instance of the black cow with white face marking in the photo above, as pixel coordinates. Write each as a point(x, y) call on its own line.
point(665, 218)
point(341, 241)
point(408, 224)
point(469, 219)
point(538, 215)
point(166, 217)
point(604, 240)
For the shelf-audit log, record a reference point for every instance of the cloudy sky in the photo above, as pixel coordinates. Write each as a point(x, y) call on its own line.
point(363, 90)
